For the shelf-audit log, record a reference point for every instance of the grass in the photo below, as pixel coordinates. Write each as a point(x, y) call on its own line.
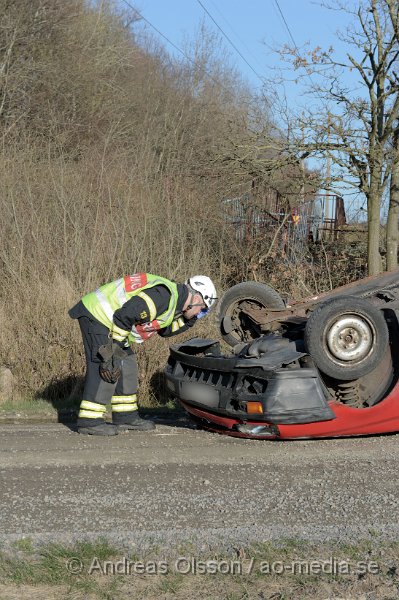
point(28, 408)
point(24, 545)
point(36, 409)
point(66, 572)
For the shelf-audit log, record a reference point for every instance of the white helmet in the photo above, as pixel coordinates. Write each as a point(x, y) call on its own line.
point(204, 286)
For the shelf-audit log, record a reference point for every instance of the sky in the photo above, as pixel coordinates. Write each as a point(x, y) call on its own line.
point(254, 27)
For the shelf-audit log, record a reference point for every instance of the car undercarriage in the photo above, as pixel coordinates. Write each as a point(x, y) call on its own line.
point(295, 367)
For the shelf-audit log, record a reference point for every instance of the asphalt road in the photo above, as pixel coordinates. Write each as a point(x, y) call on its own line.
point(177, 484)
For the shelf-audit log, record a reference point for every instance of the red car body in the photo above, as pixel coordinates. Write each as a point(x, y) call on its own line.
point(381, 418)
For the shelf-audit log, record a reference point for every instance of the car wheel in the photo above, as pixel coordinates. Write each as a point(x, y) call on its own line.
point(235, 326)
point(347, 337)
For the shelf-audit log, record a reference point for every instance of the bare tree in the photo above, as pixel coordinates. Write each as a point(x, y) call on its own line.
point(355, 123)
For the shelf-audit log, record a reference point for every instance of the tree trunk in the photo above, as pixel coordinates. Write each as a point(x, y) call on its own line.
point(393, 212)
point(373, 243)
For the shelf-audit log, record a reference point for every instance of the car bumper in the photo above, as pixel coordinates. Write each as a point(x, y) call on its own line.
point(235, 393)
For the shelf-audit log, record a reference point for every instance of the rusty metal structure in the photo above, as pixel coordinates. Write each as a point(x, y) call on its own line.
point(293, 225)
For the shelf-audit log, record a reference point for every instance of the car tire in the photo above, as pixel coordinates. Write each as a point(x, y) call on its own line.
point(347, 337)
point(233, 325)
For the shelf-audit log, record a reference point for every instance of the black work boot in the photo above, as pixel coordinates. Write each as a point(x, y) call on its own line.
point(132, 422)
point(104, 429)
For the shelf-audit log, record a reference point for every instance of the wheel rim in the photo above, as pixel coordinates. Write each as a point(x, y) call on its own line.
point(350, 339)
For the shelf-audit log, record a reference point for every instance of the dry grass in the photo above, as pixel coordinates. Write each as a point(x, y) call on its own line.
point(355, 572)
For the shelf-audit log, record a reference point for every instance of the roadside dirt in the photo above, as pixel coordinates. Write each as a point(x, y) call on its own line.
point(179, 491)
point(183, 484)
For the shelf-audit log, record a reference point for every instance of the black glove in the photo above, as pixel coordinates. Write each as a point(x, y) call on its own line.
point(112, 356)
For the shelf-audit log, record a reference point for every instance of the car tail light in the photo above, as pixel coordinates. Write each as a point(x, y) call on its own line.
point(255, 408)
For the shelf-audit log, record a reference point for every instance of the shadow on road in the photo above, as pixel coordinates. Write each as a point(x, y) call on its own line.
point(65, 395)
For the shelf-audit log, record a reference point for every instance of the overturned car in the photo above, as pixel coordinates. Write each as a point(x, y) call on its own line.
point(323, 367)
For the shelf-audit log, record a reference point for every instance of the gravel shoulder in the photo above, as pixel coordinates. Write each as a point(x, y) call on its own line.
point(179, 484)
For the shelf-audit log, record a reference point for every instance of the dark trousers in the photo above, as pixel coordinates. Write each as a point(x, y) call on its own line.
point(97, 390)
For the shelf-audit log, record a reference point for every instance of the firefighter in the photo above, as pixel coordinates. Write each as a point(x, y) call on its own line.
point(112, 319)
